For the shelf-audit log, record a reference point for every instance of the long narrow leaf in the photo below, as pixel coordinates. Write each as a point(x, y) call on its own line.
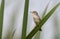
point(1, 17)
point(35, 30)
point(44, 12)
point(25, 18)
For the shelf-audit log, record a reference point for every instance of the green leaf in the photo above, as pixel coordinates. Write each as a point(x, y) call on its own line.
point(44, 12)
point(1, 17)
point(25, 18)
point(37, 35)
point(36, 29)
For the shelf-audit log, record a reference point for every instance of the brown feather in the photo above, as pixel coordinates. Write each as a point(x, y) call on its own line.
point(36, 18)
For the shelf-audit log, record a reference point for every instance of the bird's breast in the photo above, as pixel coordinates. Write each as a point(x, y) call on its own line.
point(35, 16)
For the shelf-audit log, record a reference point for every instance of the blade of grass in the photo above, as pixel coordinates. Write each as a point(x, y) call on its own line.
point(44, 12)
point(35, 30)
point(25, 18)
point(37, 35)
point(1, 17)
point(12, 29)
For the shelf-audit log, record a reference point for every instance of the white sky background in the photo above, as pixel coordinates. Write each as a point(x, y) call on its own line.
point(13, 17)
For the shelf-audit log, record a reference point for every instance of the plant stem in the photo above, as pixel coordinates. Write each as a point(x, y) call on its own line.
point(25, 18)
point(1, 17)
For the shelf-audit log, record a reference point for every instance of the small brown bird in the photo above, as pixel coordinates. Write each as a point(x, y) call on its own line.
point(36, 18)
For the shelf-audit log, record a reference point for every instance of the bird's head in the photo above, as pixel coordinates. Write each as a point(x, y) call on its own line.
point(34, 12)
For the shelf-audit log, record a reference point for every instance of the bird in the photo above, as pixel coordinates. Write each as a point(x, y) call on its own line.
point(36, 18)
